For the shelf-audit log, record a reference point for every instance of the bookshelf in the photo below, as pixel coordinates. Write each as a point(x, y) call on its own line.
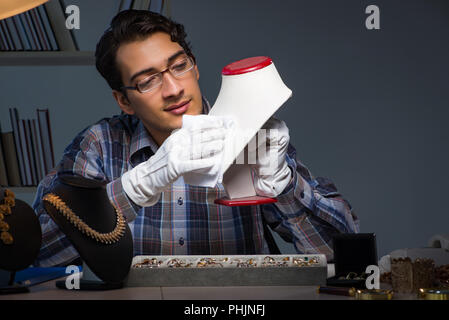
point(48, 58)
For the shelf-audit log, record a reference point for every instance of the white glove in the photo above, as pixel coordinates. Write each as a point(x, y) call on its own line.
point(209, 179)
point(272, 173)
point(195, 149)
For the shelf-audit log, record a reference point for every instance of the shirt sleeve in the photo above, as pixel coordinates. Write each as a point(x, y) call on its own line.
point(310, 211)
point(83, 157)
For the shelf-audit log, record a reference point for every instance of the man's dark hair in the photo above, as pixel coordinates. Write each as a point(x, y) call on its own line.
point(128, 26)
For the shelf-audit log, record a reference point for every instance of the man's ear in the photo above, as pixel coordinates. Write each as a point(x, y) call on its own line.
point(123, 102)
point(197, 72)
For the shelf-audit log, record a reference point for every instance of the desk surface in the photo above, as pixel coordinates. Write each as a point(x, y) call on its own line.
point(49, 291)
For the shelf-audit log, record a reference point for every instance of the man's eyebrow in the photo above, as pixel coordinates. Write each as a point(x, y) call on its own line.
point(151, 69)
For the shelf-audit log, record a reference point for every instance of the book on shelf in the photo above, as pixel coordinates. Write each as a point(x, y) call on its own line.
point(47, 27)
point(43, 119)
point(34, 36)
point(27, 151)
point(2, 39)
point(26, 29)
point(10, 158)
point(3, 172)
point(6, 44)
point(37, 150)
point(65, 4)
point(14, 117)
point(56, 15)
point(32, 153)
point(9, 35)
point(20, 29)
point(14, 34)
point(38, 26)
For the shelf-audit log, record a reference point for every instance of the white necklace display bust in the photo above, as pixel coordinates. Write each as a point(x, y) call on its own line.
point(251, 92)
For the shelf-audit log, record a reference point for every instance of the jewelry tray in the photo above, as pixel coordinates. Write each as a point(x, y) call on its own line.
point(232, 270)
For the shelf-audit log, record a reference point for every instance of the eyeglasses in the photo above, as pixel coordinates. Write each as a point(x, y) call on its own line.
point(177, 69)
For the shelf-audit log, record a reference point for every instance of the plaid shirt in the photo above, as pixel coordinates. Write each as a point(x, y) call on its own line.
point(186, 220)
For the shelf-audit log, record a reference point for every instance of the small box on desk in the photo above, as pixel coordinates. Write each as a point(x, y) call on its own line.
point(353, 252)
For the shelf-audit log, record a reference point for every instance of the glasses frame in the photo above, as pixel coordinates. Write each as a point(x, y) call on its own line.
point(160, 75)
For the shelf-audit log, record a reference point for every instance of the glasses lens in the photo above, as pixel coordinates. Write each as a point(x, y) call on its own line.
point(149, 83)
point(180, 67)
point(177, 69)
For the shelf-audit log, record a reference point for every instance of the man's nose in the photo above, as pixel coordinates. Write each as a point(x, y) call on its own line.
point(170, 86)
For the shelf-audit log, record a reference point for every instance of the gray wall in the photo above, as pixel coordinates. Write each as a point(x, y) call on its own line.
point(369, 108)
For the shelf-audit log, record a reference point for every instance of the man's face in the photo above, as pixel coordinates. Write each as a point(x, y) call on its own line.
point(139, 59)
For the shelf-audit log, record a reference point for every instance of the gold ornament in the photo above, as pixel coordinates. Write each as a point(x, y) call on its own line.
point(433, 294)
point(9, 193)
point(106, 238)
point(5, 210)
point(6, 237)
point(374, 294)
point(10, 201)
point(4, 226)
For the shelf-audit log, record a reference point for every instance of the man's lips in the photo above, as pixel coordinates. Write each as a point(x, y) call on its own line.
point(176, 106)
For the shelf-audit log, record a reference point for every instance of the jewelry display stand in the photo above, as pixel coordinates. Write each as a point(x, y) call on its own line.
point(238, 184)
point(21, 237)
point(7, 284)
point(251, 92)
point(82, 210)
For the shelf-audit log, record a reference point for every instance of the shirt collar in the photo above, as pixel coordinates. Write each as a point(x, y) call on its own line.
point(140, 140)
point(143, 142)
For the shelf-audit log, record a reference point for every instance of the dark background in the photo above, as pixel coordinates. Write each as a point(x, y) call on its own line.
point(369, 107)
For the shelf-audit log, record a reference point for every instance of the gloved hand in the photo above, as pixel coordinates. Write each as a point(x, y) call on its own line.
point(195, 149)
point(272, 173)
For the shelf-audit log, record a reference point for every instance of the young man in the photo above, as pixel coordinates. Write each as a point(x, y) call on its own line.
point(147, 62)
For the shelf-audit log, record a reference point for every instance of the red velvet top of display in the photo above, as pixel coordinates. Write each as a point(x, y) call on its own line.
point(246, 65)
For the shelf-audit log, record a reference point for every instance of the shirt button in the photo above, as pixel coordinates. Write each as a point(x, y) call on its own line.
point(180, 201)
point(302, 194)
point(181, 241)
